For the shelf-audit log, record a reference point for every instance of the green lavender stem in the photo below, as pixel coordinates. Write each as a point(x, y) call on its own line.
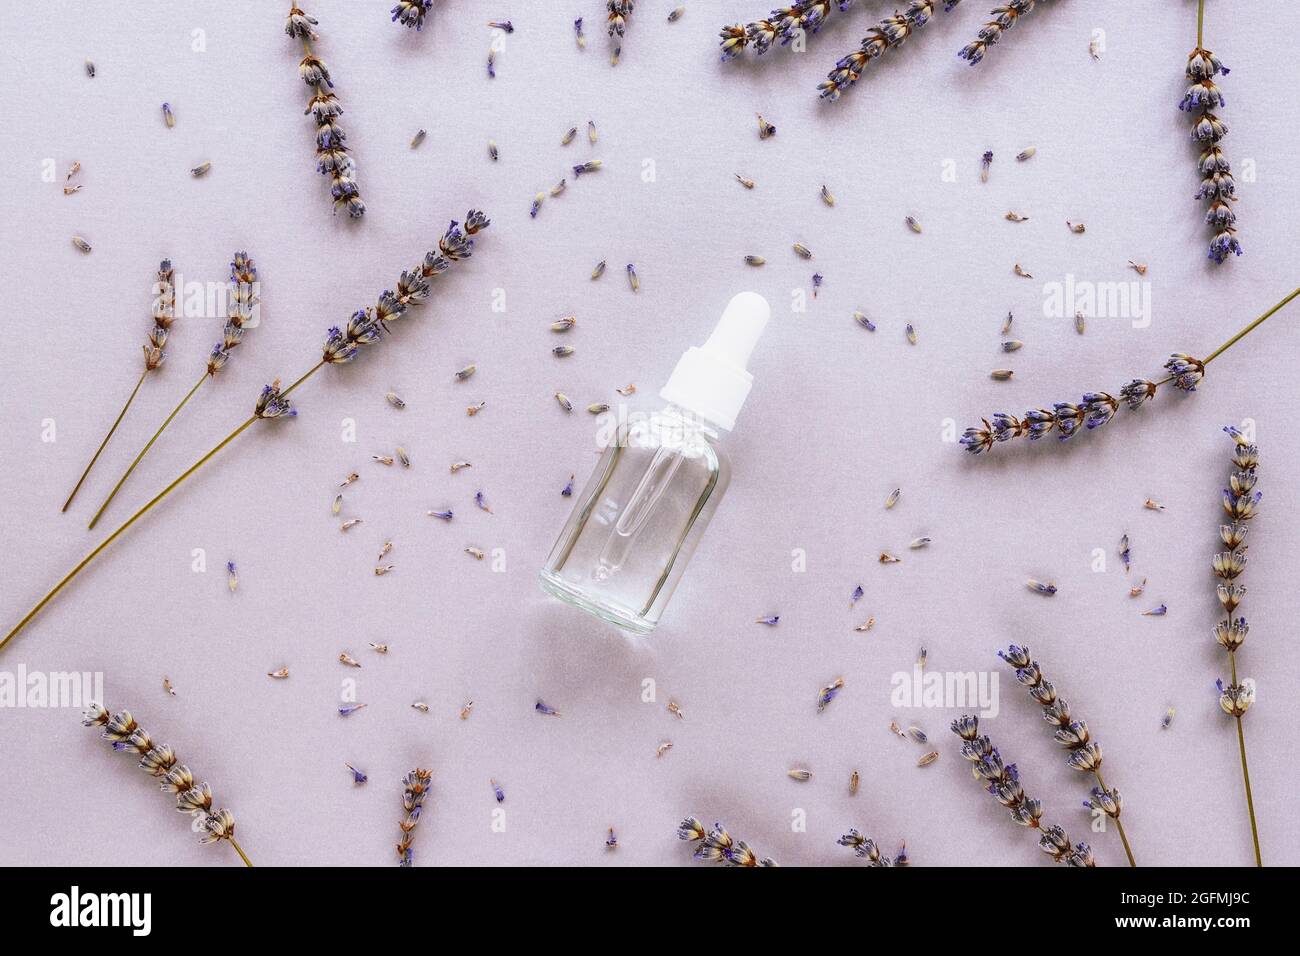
point(104, 444)
point(1248, 329)
point(1245, 772)
point(1128, 850)
point(144, 451)
point(81, 566)
point(240, 850)
point(1239, 336)
point(63, 582)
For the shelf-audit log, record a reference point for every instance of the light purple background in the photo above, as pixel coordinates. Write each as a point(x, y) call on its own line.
point(838, 417)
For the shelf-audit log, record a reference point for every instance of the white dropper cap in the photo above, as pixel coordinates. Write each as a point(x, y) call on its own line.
point(712, 380)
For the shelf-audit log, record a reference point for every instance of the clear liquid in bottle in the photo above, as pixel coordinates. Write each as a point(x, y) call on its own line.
point(637, 522)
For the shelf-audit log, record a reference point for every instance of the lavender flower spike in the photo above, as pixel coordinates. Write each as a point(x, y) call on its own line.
point(1201, 98)
point(333, 159)
point(783, 24)
point(241, 302)
point(1003, 782)
point(1240, 503)
point(1085, 753)
point(1094, 409)
point(241, 298)
point(1005, 17)
point(888, 34)
point(164, 314)
point(161, 763)
point(366, 326)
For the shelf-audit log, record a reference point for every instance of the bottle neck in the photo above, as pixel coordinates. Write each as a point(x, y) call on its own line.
point(673, 416)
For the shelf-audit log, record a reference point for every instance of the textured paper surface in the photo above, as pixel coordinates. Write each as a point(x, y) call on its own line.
point(838, 417)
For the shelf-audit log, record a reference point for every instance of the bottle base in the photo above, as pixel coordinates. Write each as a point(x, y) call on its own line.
point(557, 587)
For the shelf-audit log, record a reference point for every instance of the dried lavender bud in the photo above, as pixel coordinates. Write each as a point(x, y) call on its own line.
point(271, 404)
point(1186, 371)
point(1235, 699)
point(829, 693)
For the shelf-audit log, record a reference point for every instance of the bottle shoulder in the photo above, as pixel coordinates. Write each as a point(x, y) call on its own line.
point(670, 428)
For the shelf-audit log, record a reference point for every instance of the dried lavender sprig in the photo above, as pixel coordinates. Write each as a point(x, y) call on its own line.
point(1005, 17)
point(273, 403)
point(1241, 503)
point(868, 849)
point(1004, 784)
point(241, 299)
point(888, 34)
point(1085, 753)
point(717, 846)
point(333, 159)
point(415, 787)
point(410, 13)
point(1200, 100)
point(783, 24)
point(1097, 408)
point(160, 761)
point(164, 314)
